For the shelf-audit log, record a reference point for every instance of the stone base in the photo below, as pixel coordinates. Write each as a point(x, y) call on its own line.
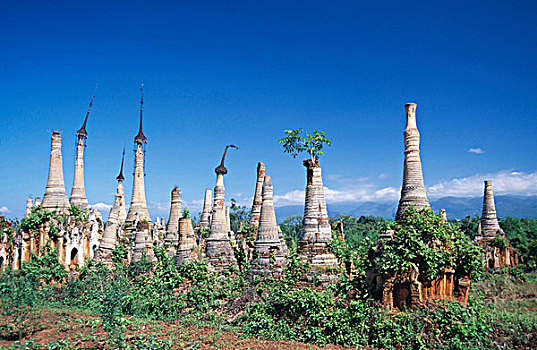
point(323, 263)
point(220, 254)
point(497, 257)
point(186, 255)
point(408, 289)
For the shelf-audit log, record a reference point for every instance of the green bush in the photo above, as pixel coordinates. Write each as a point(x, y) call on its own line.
point(424, 239)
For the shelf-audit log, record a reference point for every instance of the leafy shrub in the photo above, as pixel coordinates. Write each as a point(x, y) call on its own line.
point(423, 238)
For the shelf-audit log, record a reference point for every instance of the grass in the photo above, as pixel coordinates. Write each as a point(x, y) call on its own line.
point(512, 303)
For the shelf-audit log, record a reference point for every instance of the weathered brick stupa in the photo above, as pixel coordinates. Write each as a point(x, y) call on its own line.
point(172, 228)
point(270, 250)
point(109, 239)
point(316, 231)
point(138, 201)
point(116, 217)
point(258, 196)
point(186, 248)
point(219, 250)
point(489, 219)
point(143, 245)
point(413, 190)
point(410, 287)
point(78, 192)
point(497, 249)
point(55, 196)
point(205, 219)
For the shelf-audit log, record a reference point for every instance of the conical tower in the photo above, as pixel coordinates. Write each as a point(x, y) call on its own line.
point(172, 228)
point(120, 192)
point(187, 242)
point(109, 239)
point(413, 190)
point(316, 231)
point(78, 192)
point(258, 197)
point(138, 201)
point(270, 249)
point(205, 219)
point(219, 250)
point(55, 196)
point(489, 220)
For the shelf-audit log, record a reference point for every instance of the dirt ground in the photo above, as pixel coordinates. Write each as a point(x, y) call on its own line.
point(54, 328)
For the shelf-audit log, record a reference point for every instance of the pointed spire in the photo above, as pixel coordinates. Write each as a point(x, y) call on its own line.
point(138, 200)
point(221, 169)
point(120, 177)
point(140, 138)
point(82, 131)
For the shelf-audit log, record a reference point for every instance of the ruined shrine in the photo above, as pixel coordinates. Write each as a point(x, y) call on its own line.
point(270, 250)
point(497, 249)
point(218, 247)
point(412, 287)
point(313, 246)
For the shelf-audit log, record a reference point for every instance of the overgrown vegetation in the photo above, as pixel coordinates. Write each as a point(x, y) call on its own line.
point(520, 232)
point(424, 239)
point(501, 310)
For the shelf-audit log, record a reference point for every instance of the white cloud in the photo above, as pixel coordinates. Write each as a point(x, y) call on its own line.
point(295, 197)
point(477, 150)
point(4, 210)
point(504, 182)
point(102, 207)
point(360, 189)
point(367, 190)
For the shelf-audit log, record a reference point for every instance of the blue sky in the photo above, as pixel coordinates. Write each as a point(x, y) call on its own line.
point(243, 72)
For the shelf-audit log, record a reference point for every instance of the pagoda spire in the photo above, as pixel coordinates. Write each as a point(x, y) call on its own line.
point(82, 131)
point(120, 177)
point(218, 248)
point(221, 169)
point(138, 200)
point(141, 137)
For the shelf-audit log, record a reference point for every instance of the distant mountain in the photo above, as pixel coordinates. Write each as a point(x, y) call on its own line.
point(456, 207)
point(517, 206)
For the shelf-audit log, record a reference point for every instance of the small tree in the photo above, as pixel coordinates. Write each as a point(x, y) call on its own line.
point(298, 141)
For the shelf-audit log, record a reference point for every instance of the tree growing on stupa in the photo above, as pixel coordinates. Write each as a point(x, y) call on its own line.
point(313, 248)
